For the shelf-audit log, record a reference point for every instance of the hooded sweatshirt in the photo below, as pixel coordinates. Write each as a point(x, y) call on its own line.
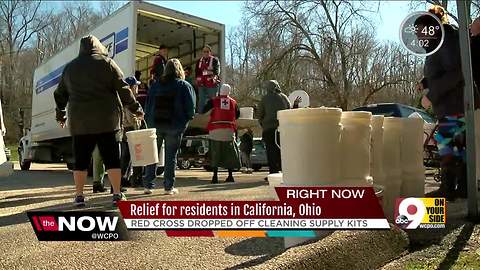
point(271, 103)
point(93, 87)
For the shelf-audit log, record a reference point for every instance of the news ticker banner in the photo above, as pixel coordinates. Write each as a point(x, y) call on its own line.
point(298, 212)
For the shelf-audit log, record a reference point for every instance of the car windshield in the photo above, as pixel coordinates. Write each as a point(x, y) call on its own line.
point(387, 110)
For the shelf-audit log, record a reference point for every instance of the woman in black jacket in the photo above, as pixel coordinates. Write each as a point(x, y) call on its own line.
point(93, 87)
point(443, 78)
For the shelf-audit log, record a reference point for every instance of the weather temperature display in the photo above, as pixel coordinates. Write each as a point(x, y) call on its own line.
point(422, 33)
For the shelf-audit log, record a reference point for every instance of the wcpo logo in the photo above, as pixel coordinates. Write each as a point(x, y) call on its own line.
point(78, 226)
point(424, 213)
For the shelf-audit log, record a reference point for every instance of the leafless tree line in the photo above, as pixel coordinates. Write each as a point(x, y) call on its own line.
point(326, 47)
point(30, 33)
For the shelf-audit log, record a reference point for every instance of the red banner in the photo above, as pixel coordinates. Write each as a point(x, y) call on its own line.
point(294, 203)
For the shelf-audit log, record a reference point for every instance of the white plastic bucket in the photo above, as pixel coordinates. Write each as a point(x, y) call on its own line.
point(246, 113)
point(411, 152)
point(142, 145)
point(355, 150)
point(392, 137)
point(412, 145)
point(310, 146)
point(376, 151)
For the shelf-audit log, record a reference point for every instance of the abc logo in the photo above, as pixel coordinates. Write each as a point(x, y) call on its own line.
point(402, 220)
point(410, 213)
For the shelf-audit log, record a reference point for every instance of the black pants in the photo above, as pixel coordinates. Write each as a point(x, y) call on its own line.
point(83, 146)
point(273, 152)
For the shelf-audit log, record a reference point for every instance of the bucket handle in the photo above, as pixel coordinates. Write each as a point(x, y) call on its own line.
point(276, 140)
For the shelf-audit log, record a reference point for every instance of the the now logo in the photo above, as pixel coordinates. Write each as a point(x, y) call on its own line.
point(87, 223)
point(78, 226)
point(73, 223)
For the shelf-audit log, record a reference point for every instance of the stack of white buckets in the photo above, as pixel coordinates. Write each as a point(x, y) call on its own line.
point(328, 147)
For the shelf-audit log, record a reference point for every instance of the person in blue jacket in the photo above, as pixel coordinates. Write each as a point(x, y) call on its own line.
point(169, 108)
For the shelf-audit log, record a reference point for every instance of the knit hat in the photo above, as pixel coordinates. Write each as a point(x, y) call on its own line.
point(225, 90)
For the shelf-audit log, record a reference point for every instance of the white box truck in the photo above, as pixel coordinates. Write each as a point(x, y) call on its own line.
point(132, 35)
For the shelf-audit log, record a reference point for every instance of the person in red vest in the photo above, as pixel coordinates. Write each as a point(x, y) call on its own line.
point(223, 149)
point(207, 73)
point(159, 63)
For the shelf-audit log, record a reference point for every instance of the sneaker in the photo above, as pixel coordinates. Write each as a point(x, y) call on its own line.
point(79, 200)
point(172, 191)
point(118, 197)
point(147, 191)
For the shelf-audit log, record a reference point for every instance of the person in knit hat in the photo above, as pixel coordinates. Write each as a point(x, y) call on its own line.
point(271, 103)
point(222, 126)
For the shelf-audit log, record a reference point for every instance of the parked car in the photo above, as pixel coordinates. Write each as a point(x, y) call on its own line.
point(431, 158)
point(401, 110)
point(193, 152)
point(259, 154)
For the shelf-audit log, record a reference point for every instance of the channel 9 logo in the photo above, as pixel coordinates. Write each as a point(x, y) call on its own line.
point(424, 213)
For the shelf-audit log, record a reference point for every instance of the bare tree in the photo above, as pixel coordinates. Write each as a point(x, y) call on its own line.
point(325, 47)
point(70, 23)
point(21, 22)
point(109, 7)
point(30, 33)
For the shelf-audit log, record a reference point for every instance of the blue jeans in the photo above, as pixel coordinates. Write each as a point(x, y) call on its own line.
point(205, 94)
point(173, 139)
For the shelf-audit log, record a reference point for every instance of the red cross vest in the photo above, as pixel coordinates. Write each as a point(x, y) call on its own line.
point(223, 114)
point(204, 79)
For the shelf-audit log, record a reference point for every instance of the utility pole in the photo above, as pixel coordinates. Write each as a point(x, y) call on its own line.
point(463, 23)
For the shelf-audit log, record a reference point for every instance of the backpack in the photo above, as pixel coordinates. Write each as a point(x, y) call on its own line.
point(165, 108)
